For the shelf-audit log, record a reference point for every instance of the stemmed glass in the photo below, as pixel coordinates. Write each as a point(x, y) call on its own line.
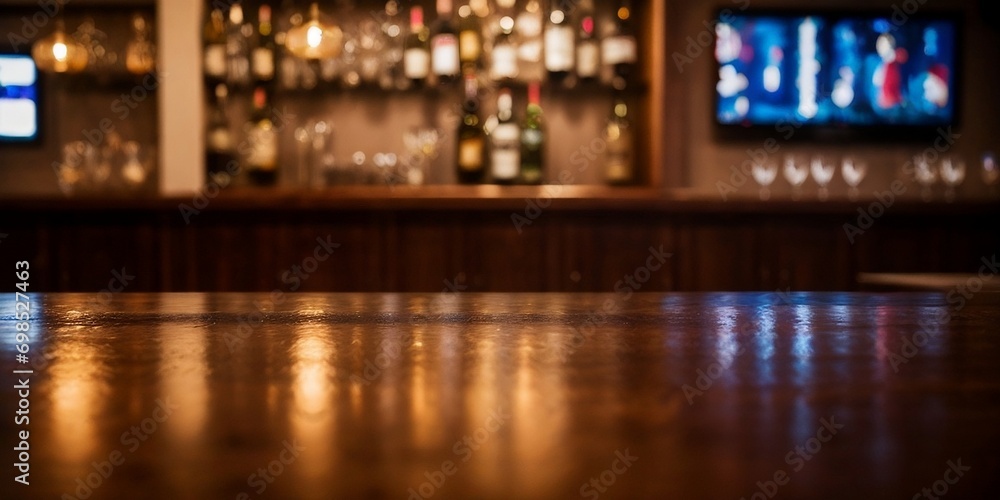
point(370, 44)
point(764, 174)
point(822, 169)
point(853, 171)
point(796, 172)
point(135, 168)
point(96, 41)
point(316, 158)
point(952, 174)
point(140, 53)
point(991, 172)
point(926, 176)
point(421, 147)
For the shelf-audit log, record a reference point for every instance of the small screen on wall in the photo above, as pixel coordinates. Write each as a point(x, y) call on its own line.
point(18, 98)
point(835, 70)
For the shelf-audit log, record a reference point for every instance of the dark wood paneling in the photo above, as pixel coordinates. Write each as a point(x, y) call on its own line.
point(425, 249)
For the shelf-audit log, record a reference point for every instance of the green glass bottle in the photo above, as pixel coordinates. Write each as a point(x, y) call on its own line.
point(533, 139)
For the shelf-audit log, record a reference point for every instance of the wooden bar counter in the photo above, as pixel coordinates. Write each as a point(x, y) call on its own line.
point(506, 396)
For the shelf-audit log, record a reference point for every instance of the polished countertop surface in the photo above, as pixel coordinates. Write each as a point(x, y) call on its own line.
point(504, 396)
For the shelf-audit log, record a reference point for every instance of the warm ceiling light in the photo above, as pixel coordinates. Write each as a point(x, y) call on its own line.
point(58, 53)
point(315, 39)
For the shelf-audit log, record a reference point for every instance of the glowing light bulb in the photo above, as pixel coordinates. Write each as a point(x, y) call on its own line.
point(59, 51)
point(314, 36)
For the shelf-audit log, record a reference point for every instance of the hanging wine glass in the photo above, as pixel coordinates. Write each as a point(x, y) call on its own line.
point(764, 174)
point(853, 171)
point(822, 169)
point(796, 172)
point(926, 175)
point(952, 174)
point(991, 172)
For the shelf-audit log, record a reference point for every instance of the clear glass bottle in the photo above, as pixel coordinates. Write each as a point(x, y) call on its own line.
point(619, 157)
point(505, 146)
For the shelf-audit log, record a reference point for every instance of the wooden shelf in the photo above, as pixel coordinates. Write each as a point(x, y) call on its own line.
point(492, 198)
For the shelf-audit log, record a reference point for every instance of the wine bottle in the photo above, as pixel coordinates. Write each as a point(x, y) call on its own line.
point(262, 161)
point(215, 46)
point(237, 49)
point(559, 44)
point(618, 50)
point(505, 147)
point(588, 52)
point(528, 26)
point(504, 56)
point(618, 155)
point(471, 137)
point(264, 52)
point(218, 136)
point(470, 39)
point(445, 62)
point(416, 54)
point(533, 138)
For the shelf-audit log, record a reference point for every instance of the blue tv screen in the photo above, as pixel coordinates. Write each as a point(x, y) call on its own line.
point(18, 98)
point(836, 71)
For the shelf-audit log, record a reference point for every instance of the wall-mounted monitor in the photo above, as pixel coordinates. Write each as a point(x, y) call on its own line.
point(836, 71)
point(19, 105)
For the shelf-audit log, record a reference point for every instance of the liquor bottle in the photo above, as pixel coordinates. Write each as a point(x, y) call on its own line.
point(218, 137)
point(262, 161)
point(471, 137)
point(528, 26)
point(533, 138)
point(237, 49)
point(559, 44)
point(618, 155)
point(416, 54)
point(503, 66)
point(618, 50)
point(444, 45)
point(264, 52)
point(505, 145)
point(588, 51)
point(470, 39)
point(215, 46)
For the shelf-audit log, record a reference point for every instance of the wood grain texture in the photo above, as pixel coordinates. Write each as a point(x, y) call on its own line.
point(377, 389)
point(565, 248)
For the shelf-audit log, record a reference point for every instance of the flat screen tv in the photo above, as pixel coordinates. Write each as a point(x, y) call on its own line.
point(19, 109)
point(847, 72)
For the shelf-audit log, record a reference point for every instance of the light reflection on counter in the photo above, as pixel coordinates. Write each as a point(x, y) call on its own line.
point(79, 389)
point(312, 413)
point(539, 417)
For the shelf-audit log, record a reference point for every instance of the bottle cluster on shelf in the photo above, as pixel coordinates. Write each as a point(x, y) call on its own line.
point(562, 43)
point(514, 50)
